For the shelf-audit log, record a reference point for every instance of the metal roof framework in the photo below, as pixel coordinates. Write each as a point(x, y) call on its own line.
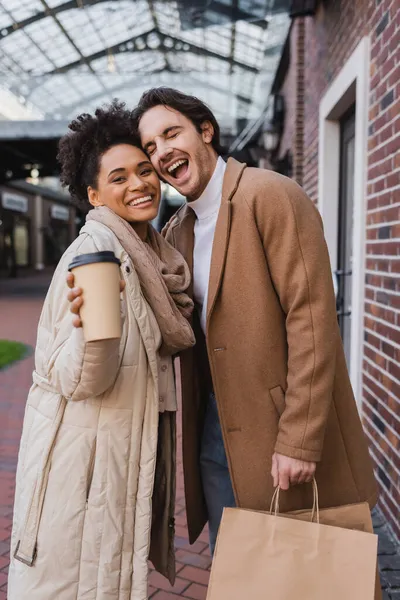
point(64, 57)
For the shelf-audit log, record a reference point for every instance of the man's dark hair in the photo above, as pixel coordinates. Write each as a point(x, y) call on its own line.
point(190, 106)
point(80, 150)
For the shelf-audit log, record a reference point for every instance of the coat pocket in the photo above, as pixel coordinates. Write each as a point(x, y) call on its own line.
point(278, 398)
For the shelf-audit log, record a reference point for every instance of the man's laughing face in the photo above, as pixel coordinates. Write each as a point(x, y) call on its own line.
point(181, 155)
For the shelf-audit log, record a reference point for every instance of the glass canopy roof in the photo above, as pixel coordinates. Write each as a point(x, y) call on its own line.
point(63, 57)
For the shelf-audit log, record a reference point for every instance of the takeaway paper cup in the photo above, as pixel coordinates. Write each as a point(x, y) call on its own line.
point(98, 275)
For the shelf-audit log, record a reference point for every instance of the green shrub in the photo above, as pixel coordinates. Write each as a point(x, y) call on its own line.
point(10, 352)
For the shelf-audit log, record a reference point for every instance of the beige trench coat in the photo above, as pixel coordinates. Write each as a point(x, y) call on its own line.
point(274, 350)
point(87, 460)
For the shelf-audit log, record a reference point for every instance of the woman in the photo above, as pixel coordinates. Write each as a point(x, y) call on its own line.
point(96, 473)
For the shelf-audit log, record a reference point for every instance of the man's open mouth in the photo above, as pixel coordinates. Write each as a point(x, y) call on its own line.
point(179, 168)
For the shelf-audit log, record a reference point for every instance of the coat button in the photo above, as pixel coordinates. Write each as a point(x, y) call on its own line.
point(164, 368)
point(161, 399)
point(127, 269)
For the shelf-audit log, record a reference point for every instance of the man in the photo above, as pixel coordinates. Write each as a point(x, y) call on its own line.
point(269, 359)
point(266, 389)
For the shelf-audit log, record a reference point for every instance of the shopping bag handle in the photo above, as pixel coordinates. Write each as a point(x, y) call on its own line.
point(274, 509)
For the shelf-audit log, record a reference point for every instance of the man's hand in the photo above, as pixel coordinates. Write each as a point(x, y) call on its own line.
point(288, 471)
point(76, 299)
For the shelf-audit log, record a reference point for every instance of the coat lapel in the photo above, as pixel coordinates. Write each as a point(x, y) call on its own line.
point(184, 242)
point(232, 177)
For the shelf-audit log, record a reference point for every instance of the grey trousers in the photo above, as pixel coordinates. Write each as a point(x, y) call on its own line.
point(214, 471)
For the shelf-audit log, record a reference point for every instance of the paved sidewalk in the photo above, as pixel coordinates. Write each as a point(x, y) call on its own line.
point(20, 305)
point(26, 286)
point(18, 321)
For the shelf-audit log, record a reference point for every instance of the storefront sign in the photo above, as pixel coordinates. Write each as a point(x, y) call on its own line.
point(60, 212)
point(14, 202)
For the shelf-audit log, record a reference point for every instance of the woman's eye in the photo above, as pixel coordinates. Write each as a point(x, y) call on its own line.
point(147, 172)
point(118, 179)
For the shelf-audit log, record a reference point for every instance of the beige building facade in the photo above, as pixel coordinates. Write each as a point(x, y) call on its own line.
point(37, 224)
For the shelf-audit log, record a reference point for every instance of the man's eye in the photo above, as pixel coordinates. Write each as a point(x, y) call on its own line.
point(173, 134)
point(150, 150)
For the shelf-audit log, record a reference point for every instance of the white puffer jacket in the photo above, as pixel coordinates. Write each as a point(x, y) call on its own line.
point(88, 450)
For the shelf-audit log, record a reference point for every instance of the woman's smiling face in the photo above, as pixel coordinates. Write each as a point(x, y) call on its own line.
point(127, 184)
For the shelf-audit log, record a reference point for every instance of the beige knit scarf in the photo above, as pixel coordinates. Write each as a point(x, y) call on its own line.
point(164, 277)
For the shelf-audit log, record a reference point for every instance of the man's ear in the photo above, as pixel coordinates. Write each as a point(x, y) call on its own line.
point(207, 132)
point(93, 197)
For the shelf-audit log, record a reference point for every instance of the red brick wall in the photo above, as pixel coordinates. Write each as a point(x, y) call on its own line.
point(381, 365)
point(331, 37)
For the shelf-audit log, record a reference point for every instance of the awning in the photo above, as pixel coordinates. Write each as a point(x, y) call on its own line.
point(63, 57)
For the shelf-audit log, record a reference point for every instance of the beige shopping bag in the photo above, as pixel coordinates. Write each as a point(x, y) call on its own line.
point(263, 556)
point(350, 516)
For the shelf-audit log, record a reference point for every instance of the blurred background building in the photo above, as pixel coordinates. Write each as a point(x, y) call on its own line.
point(60, 58)
point(309, 88)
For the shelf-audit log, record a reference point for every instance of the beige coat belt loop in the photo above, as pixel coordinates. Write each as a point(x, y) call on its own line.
point(43, 383)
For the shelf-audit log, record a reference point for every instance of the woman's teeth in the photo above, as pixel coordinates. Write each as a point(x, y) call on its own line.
point(140, 201)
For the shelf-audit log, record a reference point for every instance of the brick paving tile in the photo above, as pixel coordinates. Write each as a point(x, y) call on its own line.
point(179, 567)
point(180, 519)
point(4, 523)
point(196, 591)
point(160, 582)
point(204, 537)
point(181, 531)
point(4, 534)
point(151, 591)
point(193, 559)
point(164, 596)
point(388, 556)
point(198, 547)
point(196, 575)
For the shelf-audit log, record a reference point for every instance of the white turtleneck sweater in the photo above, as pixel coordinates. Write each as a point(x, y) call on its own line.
point(206, 208)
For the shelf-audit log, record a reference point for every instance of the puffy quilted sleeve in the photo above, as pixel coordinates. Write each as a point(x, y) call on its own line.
point(76, 369)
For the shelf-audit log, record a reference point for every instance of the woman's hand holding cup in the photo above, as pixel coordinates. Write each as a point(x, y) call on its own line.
point(76, 299)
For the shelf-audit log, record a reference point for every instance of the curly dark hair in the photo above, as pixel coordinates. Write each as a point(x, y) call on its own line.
point(194, 109)
point(80, 151)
